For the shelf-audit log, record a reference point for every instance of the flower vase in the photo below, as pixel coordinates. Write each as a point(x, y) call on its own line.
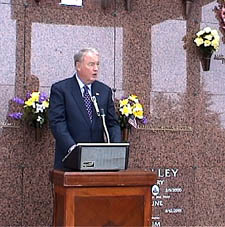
point(205, 61)
point(37, 131)
point(125, 134)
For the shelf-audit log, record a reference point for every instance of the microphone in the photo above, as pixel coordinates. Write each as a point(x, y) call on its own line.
point(93, 99)
point(104, 125)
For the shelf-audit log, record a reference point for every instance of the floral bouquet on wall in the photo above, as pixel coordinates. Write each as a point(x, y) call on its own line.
point(35, 109)
point(131, 113)
point(208, 41)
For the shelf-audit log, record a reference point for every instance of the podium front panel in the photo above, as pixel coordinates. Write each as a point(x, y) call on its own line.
point(122, 199)
point(109, 211)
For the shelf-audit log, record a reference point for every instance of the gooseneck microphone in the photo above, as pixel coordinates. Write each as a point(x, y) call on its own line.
point(104, 125)
point(93, 99)
point(102, 114)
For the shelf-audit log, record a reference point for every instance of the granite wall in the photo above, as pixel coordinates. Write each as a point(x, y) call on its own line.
point(147, 51)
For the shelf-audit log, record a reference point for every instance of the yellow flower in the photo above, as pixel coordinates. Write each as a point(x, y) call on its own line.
point(137, 106)
point(138, 114)
point(126, 110)
point(123, 102)
point(29, 102)
point(133, 98)
point(215, 44)
point(46, 104)
point(35, 96)
point(207, 43)
point(138, 110)
point(209, 37)
point(199, 41)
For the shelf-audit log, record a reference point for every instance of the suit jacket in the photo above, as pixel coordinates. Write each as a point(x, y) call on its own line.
point(69, 119)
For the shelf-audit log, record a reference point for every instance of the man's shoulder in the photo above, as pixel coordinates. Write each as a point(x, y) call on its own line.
point(102, 85)
point(63, 82)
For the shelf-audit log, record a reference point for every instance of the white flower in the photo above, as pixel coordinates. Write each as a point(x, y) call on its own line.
point(207, 29)
point(39, 108)
point(199, 41)
point(209, 37)
point(200, 33)
point(126, 110)
point(39, 118)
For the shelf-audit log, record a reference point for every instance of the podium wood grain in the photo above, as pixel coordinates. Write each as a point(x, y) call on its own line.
point(120, 198)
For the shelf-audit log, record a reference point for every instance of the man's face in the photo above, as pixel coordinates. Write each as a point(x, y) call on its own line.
point(88, 68)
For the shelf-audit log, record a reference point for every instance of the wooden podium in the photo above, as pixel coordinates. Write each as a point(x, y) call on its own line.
point(120, 198)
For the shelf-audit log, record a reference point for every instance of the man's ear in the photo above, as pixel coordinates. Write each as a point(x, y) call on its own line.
point(77, 65)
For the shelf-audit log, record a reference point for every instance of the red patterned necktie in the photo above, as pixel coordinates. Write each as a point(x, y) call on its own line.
point(87, 101)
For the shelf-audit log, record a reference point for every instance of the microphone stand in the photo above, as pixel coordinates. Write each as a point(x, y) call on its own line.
point(104, 125)
point(102, 114)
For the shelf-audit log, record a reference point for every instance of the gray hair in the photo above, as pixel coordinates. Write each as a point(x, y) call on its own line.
point(78, 57)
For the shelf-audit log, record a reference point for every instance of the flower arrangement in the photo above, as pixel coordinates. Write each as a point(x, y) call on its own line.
point(35, 109)
point(207, 40)
point(130, 112)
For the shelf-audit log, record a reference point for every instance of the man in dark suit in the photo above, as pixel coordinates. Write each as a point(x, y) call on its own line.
point(70, 120)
